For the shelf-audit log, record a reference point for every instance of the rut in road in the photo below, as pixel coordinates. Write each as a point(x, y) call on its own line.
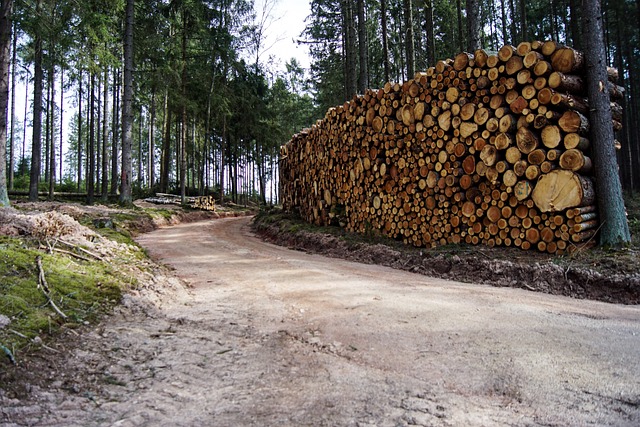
point(265, 336)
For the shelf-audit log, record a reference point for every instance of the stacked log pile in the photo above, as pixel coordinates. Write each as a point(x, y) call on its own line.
point(483, 148)
point(207, 203)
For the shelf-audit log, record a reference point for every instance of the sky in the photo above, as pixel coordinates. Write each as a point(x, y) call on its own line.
point(288, 23)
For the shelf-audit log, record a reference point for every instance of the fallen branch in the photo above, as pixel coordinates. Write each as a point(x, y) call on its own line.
point(62, 251)
point(71, 245)
point(42, 283)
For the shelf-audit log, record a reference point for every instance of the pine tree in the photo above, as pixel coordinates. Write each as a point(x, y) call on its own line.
point(126, 197)
point(614, 231)
point(5, 42)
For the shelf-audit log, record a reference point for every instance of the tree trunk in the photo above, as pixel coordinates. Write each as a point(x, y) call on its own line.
point(61, 134)
point(152, 139)
point(460, 25)
point(51, 130)
point(473, 25)
point(363, 48)
point(523, 21)
point(410, 49)
point(14, 62)
point(431, 41)
point(183, 134)
point(350, 51)
point(576, 33)
point(79, 131)
point(223, 148)
point(626, 153)
point(115, 119)
point(91, 154)
point(385, 41)
point(127, 111)
point(140, 152)
point(615, 228)
point(165, 166)
point(5, 42)
point(105, 136)
point(514, 26)
point(503, 18)
point(36, 147)
point(98, 137)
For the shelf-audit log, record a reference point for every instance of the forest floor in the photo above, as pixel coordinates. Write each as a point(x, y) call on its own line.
point(224, 329)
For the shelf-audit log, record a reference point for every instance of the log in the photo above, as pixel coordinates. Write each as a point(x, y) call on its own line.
point(506, 52)
point(522, 190)
point(526, 140)
point(575, 160)
point(567, 60)
point(549, 47)
point(567, 82)
point(551, 136)
point(574, 122)
point(562, 189)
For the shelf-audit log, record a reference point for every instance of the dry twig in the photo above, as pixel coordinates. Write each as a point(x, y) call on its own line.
point(42, 283)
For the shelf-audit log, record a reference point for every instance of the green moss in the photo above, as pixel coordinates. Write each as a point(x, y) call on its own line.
point(82, 290)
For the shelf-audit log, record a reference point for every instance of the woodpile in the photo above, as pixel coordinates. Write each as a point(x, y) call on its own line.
point(207, 203)
point(483, 148)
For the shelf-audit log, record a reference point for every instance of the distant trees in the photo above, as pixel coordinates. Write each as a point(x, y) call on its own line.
point(195, 116)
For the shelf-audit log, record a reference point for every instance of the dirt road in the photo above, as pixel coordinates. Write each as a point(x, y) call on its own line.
point(265, 336)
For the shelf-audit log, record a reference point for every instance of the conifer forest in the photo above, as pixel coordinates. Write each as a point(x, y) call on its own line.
point(183, 97)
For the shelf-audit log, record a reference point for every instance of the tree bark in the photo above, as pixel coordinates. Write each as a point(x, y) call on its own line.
point(104, 190)
point(127, 111)
point(165, 165)
point(36, 147)
point(5, 42)
point(503, 19)
point(14, 62)
point(524, 31)
point(51, 128)
point(91, 154)
point(576, 34)
point(363, 48)
point(152, 139)
point(79, 130)
point(183, 133)
point(349, 50)
point(615, 228)
point(61, 133)
point(409, 39)
point(460, 33)
point(473, 25)
point(385, 41)
point(431, 41)
point(114, 137)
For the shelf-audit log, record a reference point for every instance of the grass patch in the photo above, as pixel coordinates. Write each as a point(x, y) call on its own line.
point(82, 290)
